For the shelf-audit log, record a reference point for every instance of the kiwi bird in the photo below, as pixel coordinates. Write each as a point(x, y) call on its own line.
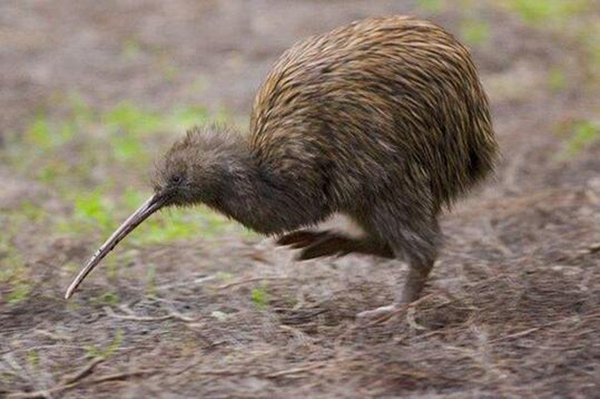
point(384, 121)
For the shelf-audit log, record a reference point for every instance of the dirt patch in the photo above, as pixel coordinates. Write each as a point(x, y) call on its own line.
point(512, 306)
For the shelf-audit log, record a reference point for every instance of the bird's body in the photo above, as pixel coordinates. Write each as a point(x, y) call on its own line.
point(383, 120)
point(376, 104)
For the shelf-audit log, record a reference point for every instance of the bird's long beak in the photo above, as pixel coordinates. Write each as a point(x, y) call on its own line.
point(153, 204)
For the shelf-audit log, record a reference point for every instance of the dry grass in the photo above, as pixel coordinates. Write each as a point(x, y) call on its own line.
point(512, 309)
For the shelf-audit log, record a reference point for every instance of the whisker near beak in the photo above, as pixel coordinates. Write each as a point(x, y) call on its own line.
point(153, 204)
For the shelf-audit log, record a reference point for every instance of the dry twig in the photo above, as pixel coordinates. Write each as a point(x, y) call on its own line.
point(296, 370)
point(76, 380)
point(132, 316)
point(251, 280)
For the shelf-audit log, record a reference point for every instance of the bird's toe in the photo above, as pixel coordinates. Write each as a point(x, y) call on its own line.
point(377, 315)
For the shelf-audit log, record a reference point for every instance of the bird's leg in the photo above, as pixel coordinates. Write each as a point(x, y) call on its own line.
point(315, 244)
point(413, 287)
point(418, 272)
point(413, 236)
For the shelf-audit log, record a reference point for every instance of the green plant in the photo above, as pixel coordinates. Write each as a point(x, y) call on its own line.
point(434, 6)
point(39, 133)
point(94, 210)
point(19, 291)
point(557, 79)
point(260, 298)
point(539, 11)
point(70, 152)
point(32, 212)
point(15, 274)
point(33, 359)
point(95, 352)
point(584, 134)
point(107, 298)
point(131, 119)
point(475, 32)
point(188, 116)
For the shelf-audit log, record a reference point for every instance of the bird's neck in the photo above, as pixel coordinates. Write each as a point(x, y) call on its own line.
point(259, 198)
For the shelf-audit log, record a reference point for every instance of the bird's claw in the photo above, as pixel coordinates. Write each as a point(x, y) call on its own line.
point(377, 315)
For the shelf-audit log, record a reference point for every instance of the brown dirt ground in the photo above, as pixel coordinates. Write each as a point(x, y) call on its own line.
point(512, 308)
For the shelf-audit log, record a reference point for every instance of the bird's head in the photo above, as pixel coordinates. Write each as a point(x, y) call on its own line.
point(196, 169)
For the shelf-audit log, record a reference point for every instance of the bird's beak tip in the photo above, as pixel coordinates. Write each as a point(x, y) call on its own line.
point(152, 205)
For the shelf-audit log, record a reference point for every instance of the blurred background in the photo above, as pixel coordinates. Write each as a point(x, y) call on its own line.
point(91, 92)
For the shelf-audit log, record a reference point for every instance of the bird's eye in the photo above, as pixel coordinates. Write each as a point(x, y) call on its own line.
point(176, 179)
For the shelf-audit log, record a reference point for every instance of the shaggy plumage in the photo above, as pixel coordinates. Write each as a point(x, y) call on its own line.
point(384, 121)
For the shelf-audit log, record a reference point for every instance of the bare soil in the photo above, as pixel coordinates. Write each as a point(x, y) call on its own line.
point(513, 305)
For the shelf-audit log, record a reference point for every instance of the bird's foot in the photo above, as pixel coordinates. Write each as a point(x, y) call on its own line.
point(378, 315)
